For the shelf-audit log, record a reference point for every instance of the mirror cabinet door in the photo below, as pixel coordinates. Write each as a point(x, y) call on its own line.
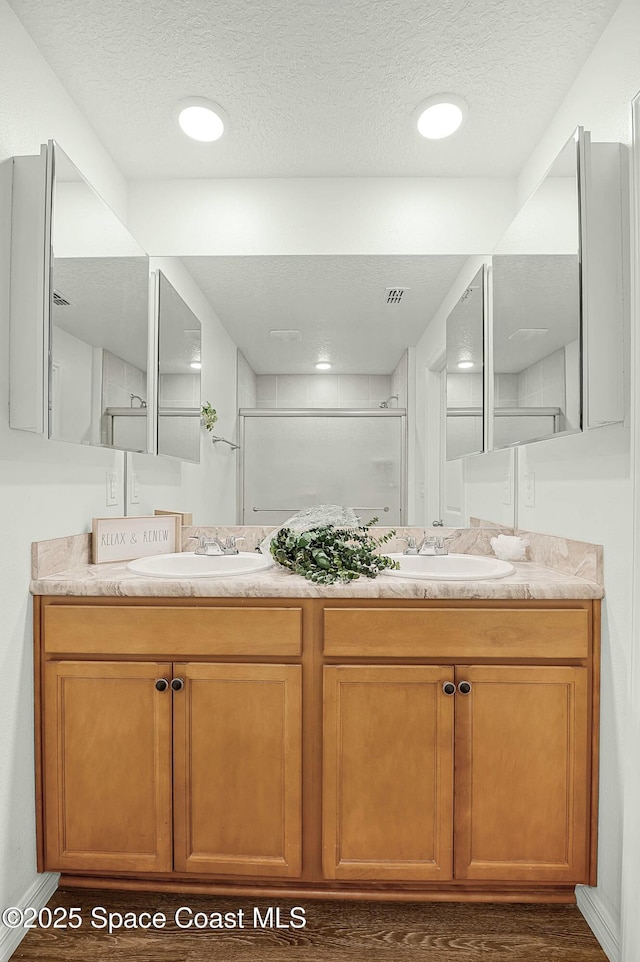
point(99, 320)
point(465, 373)
point(179, 362)
point(536, 317)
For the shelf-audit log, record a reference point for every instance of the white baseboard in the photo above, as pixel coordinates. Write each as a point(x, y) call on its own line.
point(600, 921)
point(36, 896)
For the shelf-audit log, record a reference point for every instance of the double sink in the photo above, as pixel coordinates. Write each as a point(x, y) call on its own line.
point(449, 567)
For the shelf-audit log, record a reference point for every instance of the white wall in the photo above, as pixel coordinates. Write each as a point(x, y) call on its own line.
point(35, 107)
point(372, 215)
point(247, 383)
point(72, 387)
point(48, 489)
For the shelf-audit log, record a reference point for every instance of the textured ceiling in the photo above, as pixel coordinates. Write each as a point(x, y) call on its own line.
point(108, 300)
point(338, 303)
point(316, 87)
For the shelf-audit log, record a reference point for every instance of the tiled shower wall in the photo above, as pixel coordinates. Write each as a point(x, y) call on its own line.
point(179, 390)
point(321, 390)
point(247, 390)
point(119, 380)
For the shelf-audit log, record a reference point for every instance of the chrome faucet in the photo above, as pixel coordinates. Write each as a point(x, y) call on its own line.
point(206, 545)
point(214, 546)
point(412, 547)
point(434, 546)
point(230, 545)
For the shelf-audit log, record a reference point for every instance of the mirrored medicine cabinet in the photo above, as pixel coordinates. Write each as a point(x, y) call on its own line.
point(465, 406)
point(179, 361)
point(535, 319)
point(96, 340)
point(551, 362)
point(99, 320)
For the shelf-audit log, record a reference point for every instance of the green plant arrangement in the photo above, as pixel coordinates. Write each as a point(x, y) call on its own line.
point(209, 415)
point(328, 554)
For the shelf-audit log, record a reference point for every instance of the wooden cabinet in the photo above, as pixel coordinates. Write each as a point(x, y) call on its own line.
point(522, 799)
point(388, 773)
point(238, 770)
point(512, 801)
point(171, 766)
point(425, 749)
point(107, 767)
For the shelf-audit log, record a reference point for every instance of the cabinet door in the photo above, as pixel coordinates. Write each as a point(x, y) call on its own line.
point(238, 769)
point(522, 768)
point(107, 767)
point(388, 773)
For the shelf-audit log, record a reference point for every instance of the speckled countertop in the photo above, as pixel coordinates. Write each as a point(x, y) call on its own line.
point(559, 569)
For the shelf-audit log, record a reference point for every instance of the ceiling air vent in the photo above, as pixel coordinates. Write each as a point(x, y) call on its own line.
point(286, 335)
point(59, 300)
point(394, 295)
point(467, 294)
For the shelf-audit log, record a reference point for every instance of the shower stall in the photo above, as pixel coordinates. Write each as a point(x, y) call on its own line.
point(296, 458)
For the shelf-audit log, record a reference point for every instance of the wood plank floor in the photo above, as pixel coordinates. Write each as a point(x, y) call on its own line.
point(335, 932)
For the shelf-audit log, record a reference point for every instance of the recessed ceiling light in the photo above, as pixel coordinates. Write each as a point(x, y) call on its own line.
point(440, 116)
point(196, 365)
point(201, 119)
point(323, 366)
point(464, 365)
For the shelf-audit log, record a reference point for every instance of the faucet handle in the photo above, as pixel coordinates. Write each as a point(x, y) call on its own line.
point(412, 547)
point(200, 538)
point(230, 545)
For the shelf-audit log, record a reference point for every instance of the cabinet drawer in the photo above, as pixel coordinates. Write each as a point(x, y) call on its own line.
point(149, 630)
point(458, 633)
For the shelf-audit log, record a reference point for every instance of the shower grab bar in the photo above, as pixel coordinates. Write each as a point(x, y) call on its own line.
point(505, 412)
point(385, 509)
point(215, 439)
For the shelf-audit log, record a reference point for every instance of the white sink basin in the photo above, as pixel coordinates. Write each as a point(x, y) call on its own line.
point(187, 565)
point(450, 567)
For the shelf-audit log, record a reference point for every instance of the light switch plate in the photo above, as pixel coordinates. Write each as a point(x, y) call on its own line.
point(134, 488)
point(506, 489)
point(112, 488)
point(529, 483)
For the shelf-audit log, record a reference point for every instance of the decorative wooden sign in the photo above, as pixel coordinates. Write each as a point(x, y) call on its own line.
point(123, 539)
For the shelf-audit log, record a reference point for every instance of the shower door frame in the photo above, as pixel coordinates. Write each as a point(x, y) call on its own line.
point(325, 412)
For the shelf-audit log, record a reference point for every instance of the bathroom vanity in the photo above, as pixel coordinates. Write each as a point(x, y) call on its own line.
point(364, 741)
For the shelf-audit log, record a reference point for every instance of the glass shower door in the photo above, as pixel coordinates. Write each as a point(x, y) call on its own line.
point(296, 460)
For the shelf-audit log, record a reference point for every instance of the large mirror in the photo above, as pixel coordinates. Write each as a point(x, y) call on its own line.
point(99, 320)
point(465, 373)
point(179, 364)
point(536, 318)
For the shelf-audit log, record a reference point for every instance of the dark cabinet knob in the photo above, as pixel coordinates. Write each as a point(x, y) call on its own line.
point(448, 688)
point(177, 684)
point(464, 687)
point(162, 684)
